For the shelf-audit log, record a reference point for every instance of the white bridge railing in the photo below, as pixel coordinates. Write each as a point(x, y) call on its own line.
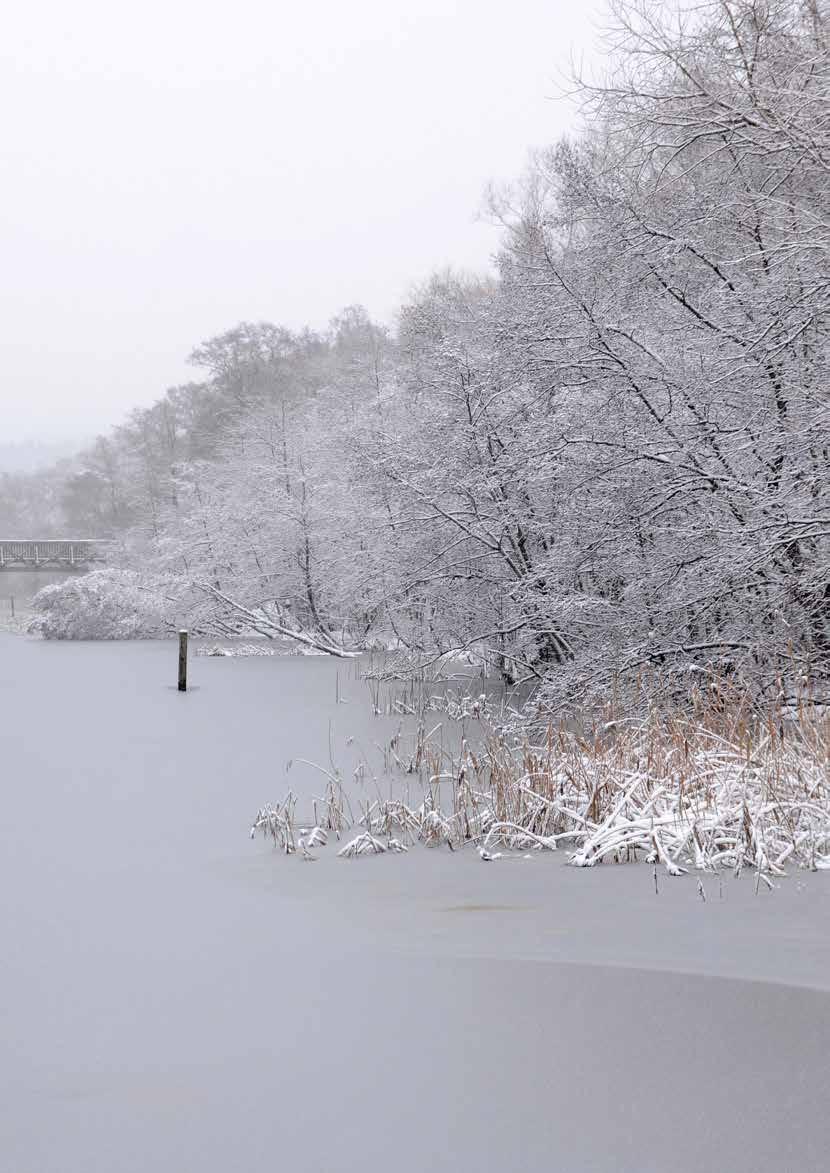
point(66, 552)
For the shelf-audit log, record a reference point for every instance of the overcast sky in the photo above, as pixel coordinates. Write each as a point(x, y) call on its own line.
point(170, 169)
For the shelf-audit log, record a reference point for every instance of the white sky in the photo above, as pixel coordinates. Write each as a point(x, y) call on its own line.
point(169, 169)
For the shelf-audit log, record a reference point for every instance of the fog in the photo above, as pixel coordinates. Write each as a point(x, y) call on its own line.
point(171, 170)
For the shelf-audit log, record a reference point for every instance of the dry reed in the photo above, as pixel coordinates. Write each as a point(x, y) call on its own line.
point(714, 787)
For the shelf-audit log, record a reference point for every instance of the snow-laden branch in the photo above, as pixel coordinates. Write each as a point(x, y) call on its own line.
point(270, 627)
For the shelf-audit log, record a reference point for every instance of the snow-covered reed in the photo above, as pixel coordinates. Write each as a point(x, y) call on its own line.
point(679, 797)
point(278, 823)
point(368, 844)
point(710, 789)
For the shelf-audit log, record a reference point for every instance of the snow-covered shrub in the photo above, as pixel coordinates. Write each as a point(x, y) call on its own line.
point(105, 604)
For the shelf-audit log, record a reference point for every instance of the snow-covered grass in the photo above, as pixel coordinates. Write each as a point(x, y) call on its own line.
point(709, 789)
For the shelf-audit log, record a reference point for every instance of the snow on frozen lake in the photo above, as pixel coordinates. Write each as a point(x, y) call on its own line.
point(23, 585)
point(177, 997)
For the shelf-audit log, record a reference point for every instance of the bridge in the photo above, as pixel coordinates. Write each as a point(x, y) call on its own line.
point(32, 554)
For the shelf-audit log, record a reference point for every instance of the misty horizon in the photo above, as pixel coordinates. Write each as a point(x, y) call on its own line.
point(165, 181)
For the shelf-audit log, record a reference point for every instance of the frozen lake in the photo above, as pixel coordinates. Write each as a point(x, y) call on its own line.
point(18, 588)
point(23, 585)
point(176, 997)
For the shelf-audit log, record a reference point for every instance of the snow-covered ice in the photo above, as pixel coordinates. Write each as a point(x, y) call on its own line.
point(178, 997)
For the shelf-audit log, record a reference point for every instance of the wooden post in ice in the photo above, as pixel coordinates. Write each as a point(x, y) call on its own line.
point(182, 661)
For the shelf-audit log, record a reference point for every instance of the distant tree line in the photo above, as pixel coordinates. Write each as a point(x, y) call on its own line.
point(609, 461)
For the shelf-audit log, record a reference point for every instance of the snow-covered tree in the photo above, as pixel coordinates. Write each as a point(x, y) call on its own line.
point(610, 460)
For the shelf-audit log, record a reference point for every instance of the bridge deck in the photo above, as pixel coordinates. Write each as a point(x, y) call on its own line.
point(15, 554)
